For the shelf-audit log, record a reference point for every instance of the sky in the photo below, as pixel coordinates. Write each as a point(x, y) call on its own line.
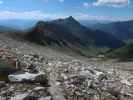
point(53, 9)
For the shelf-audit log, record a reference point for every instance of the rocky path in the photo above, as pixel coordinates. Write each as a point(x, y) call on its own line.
point(54, 89)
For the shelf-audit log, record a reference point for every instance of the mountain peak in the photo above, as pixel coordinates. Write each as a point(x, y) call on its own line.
point(70, 18)
point(67, 21)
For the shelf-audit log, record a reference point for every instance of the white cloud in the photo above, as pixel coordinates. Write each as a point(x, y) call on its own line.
point(28, 15)
point(21, 15)
point(1, 2)
point(114, 3)
point(86, 4)
point(85, 16)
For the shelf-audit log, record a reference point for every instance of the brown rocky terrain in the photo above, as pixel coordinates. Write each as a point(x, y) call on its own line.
point(44, 73)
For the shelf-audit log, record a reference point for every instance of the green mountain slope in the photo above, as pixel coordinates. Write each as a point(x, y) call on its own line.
point(70, 32)
point(121, 30)
point(123, 53)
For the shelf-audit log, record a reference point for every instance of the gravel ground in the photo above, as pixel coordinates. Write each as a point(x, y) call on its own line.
point(70, 76)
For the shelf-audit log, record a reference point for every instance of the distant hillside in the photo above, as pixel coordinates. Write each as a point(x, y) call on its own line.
point(123, 53)
point(91, 23)
point(69, 32)
point(5, 29)
point(122, 30)
point(14, 33)
point(18, 24)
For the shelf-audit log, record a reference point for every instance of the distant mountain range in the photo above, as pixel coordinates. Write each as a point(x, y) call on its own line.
point(24, 24)
point(18, 24)
point(71, 33)
point(122, 30)
point(91, 23)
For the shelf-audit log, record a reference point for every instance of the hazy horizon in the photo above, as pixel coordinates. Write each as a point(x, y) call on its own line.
point(114, 10)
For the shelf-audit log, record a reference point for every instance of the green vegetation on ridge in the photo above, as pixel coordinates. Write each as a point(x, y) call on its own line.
point(123, 53)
